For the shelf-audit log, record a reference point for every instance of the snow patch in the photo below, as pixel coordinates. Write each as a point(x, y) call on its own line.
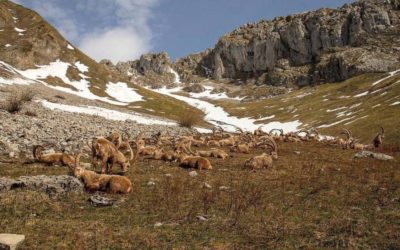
point(391, 74)
point(362, 94)
point(335, 123)
point(356, 120)
point(69, 46)
point(106, 113)
point(333, 110)
point(218, 116)
point(19, 30)
point(81, 67)
point(121, 92)
point(8, 45)
point(59, 69)
point(375, 106)
point(395, 103)
point(177, 77)
point(213, 96)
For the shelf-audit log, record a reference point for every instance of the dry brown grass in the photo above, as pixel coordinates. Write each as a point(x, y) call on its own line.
point(16, 99)
point(189, 118)
point(320, 199)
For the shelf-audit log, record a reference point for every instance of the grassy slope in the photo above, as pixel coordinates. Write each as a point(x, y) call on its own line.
point(312, 109)
point(321, 198)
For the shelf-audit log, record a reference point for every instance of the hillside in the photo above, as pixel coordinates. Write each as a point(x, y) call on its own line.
point(32, 51)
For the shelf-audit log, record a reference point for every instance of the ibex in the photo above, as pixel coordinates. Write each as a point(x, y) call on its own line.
point(197, 162)
point(378, 140)
point(109, 155)
point(240, 148)
point(265, 160)
point(120, 142)
point(216, 153)
point(101, 182)
point(61, 159)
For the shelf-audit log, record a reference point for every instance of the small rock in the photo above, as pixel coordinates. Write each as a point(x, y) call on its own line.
point(168, 175)
point(158, 224)
point(11, 155)
point(201, 218)
point(297, 152)
point(206, 185)
point(193, 174)
point(151, 183)
point(222, 188)
point(100, 201)
point(10, 241)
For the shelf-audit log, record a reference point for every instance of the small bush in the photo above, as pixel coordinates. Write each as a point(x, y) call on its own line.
point(12, 104)
point(16, 99)
point(30, 113)
point(189, 118)
point(60, 97)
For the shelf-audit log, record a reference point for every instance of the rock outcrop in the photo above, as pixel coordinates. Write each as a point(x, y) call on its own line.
point(150, 69)
point(49, 184)
point(326, 45)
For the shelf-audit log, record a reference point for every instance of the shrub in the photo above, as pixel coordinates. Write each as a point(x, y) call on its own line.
point(189, 118)
point(30, 113)
point(16, 99)
point(60, 97)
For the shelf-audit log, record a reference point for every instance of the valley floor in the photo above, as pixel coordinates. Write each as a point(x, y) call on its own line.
point(316, 196)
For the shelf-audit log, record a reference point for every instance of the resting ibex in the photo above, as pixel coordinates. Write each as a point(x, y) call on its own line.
point(216, 153)
point(198, 162)
point(185, 145)
point(265, 160)
point(61, 159)
point(109, 155)
point(240, 148)
point(160, 154)
point(230, 141)
point(101, 182)
point(378, 140)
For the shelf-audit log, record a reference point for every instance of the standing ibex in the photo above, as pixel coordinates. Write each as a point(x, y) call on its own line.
point(109, 155)
point(378, 140)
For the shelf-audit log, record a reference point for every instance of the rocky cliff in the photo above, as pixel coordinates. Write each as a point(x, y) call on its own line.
point(326, 45)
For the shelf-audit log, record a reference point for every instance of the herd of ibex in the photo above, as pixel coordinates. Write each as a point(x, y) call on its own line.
point(112, 150)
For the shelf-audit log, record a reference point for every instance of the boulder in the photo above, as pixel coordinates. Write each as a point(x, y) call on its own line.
point(10, 241)
point(378, 156)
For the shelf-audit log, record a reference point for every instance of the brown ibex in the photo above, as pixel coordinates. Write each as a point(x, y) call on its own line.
point(61, 159)
point(101, 182)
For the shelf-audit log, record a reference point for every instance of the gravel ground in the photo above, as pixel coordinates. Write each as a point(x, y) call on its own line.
point(61, 130)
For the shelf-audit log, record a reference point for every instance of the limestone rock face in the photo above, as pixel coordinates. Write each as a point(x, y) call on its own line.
point(148, 63)
point(333, 44)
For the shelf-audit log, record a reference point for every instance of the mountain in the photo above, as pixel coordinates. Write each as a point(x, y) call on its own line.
point(327, 45)
point(250, 79)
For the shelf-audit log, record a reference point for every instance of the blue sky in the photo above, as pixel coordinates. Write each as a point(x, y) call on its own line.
point(125, 29)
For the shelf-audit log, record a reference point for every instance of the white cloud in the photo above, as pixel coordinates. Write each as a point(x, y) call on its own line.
point(118, 44)
point(128, 38)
